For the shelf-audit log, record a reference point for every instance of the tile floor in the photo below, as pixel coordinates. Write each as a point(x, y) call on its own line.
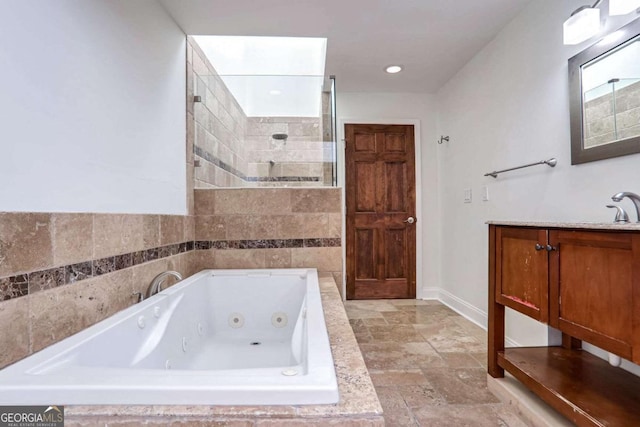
point(428, 364)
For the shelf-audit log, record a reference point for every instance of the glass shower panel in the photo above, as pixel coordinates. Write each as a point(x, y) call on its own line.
point(264, 131)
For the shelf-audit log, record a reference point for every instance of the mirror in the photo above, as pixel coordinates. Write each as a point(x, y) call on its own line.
point(604, 82)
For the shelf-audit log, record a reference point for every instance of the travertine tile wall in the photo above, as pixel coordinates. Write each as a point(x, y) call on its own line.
point(298, 161)
point(219, 125)
point(278, 228)
point(62, 272)
point(233, 150)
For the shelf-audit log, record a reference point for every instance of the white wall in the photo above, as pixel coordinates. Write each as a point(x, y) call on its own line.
point(401, 108)
point(92, 112)
point(509, 106)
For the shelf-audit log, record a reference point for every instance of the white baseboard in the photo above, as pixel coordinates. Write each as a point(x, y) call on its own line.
point(463, 308)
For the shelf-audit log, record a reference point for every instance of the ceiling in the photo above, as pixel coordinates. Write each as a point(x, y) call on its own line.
point(432, 39)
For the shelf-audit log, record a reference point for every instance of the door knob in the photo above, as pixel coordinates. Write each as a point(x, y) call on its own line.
point(410, 220)
point(539, 247)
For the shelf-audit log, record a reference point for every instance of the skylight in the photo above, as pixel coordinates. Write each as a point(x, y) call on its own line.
point(270, 76)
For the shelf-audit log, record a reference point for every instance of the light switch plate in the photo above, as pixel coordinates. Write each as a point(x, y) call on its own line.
point(467, 195)
point(485, 193)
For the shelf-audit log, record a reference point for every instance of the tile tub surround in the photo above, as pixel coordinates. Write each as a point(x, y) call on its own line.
point(288, 227)
point(358, 406)
point(62, 272)
point(40, 251)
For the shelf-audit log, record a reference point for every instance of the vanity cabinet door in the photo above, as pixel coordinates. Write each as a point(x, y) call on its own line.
point(593, 275)
point(522, 271)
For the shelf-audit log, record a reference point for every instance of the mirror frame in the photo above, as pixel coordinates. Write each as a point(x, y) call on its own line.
point(614, 149)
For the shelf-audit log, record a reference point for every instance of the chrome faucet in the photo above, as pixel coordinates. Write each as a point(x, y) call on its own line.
point(156, 284)
point(621, 215)
point(631, 196)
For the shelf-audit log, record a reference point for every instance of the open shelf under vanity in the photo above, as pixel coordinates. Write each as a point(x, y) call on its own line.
point(579, 385)
point(584, 281)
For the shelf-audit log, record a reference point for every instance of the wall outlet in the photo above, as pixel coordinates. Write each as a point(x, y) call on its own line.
point(467, 195)
point(485, 193)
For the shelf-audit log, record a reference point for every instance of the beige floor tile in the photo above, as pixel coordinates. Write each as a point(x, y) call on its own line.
point(418, 396)
point(397, 377)
point(428, 364)
point(375, 321)
point(399, 418)
point(467, 416)
point(398, 333)
point(390, 398)
point(412, 302)
point(462, 385)
point(355, 312)
point(460, 360)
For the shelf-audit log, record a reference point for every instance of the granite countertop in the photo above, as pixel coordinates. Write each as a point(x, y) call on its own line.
point(358, 406)
point(631, 226)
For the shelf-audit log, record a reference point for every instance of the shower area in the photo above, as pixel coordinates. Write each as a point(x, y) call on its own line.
point(264, 114)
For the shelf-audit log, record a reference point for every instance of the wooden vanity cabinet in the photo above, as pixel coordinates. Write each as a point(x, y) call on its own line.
point(586, 283)
point(523, 271)
point(592, 282)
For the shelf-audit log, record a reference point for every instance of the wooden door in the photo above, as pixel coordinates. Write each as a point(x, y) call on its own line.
point(594, 275)
point(522, 271)
point(380, 199)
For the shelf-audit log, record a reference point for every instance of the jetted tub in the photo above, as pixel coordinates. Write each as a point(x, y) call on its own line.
point(220, 337)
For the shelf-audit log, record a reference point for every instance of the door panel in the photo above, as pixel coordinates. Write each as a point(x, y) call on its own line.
point(395, 142)
point(380, 193)
point(396, 242)
point(396, 182)
point(364, 143)
point(366, 256)
point(365, 194)
point(522, 271)
point(594, 274)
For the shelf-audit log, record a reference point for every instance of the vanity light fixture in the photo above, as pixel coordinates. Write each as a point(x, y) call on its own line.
point(393, 69)
point(583, 24)
point(622, 7)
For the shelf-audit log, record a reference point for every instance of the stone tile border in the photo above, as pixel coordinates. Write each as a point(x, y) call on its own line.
point(205, 155)
point(29, 283)
point(283, 179)
point(198, 151)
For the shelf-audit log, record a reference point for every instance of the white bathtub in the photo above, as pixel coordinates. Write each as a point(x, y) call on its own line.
point(220, 337)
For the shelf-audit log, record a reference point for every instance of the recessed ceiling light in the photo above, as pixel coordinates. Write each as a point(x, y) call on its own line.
point(274, 92)
point(392, 69)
